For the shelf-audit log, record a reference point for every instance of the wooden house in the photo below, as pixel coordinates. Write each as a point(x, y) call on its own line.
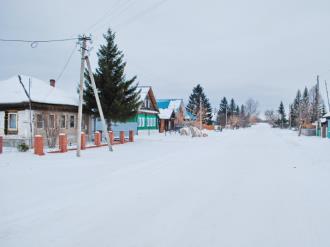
point(326, 125)
point(171, 114)
point(146, 120)
point(53, 111)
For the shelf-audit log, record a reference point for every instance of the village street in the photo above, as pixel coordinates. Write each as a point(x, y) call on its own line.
point(249, 187)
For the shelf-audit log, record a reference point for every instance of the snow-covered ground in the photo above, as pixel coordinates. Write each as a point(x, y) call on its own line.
point(250, 187)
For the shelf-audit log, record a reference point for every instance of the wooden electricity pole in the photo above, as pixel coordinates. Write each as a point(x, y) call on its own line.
point(200, 113)
point(28, 95)
point(96, 94)
point(326, 88)
point(82, 39)
point(84, 58)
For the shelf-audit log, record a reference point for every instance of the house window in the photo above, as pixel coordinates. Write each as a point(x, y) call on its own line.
point(72, 121)
point(62, 122)
point(51, 121)
point(40, 122)
point(12, 121)
point(147, 103)
point(141, 122)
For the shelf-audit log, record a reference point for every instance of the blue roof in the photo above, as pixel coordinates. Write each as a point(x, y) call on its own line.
point(189, 115)
point(163, 103)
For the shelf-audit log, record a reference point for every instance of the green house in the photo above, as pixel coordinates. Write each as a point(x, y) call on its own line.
point(147, 117)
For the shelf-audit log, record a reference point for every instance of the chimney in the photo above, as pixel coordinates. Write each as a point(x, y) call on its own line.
point(52, 82)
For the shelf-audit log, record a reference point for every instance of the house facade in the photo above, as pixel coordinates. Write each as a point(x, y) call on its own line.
point(171, 114)
point(144, 122)
point(52, 112)
point(147, 117)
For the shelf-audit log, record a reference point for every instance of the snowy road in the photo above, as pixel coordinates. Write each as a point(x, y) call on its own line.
point(252, 187)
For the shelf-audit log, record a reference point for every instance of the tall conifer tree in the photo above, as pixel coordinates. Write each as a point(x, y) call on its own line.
point(119, 96)
point(193, 106)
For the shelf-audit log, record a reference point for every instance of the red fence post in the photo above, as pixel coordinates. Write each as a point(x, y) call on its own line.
point(1, 144)
point(83, 141)
point(38, 145)
point(131, 135)
point(63, 143)
point(112, 137)
point(97, 138)
point(122, 137)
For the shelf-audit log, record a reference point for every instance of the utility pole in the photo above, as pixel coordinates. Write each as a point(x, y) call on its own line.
point(28, 95)
point(326, 88)
point(84, 58)
point(318, 99)
point(200, 113)
point(30, 113)
point(96, 94)
point(82, 39)
point(226, 117)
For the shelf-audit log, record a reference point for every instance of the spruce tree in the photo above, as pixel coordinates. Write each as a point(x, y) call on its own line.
point(316, 102)
point(119, 96)
point(232, 107)
point(305, 107)
point(243, 117)
point(193, 106)
point(296, 112)
point(281, 112)
point(323, 110)
point(237, 110)
point(223, 110)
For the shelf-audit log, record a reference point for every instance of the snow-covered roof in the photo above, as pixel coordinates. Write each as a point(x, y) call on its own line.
point(144, 91)
point(41, 92)
point(165, 113)
point(172, 104)
point(327, 115)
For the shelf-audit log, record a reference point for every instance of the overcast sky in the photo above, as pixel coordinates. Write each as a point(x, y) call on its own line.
point(238, 48)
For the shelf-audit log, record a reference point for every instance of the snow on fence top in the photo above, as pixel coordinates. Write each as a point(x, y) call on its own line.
point(41, 92)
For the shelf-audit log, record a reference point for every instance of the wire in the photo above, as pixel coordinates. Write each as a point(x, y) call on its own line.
point(107, 14)
point(127, 5)
point(34, 43)
point(37, 41)
point(67, 62)
point(142, 13)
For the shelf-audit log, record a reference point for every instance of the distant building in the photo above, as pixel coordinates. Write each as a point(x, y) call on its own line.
point(171, 114)
point(53, 111)
point(325, 122)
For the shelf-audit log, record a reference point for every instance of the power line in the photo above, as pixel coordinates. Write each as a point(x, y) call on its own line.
point(37, 41)
point(34, 43)
point(111, 11)
point(126, 6)
point(142, 13)
point(67, 63)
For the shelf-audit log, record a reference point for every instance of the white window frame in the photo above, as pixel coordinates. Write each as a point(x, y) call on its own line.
point(12, 113)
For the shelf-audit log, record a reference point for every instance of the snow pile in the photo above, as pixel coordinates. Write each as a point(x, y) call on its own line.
point(193, 131)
